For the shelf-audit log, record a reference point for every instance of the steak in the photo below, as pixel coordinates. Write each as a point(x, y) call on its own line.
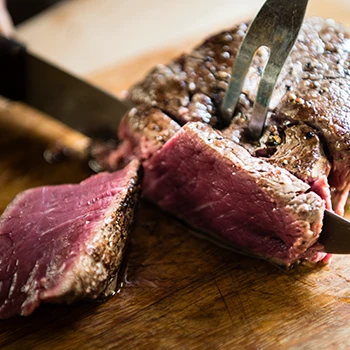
point(302, 155)
point(166, 89)
point(143, 130)
point(313, 90)
point(266, 198)
point(217, 187)
point(65, 243)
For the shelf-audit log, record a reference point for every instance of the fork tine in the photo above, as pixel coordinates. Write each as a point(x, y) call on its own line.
point(264, 94)
point(276, 26)
point(239, 72)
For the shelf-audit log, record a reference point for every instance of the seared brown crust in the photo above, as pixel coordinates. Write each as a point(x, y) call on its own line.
point(150, 123)
point(143, 131)
point(258, 207)
point(166, 89)
point(95, 273)
point(209, 66)
point(321, 97)
point(302, 154)
point(201, 109)
point(313, 89)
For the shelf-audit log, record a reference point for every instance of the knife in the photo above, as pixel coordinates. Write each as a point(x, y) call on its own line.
point(277, 26)
point(86, 108)
point(76, 103)
point(335, 235)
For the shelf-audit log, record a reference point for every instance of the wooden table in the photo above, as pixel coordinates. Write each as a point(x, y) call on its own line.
point(177, 291)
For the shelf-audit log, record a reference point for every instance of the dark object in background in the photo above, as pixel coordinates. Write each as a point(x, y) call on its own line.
point(21, 10)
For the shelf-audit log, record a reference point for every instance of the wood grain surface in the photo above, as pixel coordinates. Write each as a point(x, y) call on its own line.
point(176, 291)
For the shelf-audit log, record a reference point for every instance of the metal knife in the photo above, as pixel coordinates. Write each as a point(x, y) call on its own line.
point(86, 108)
point(335, 235)
point(80, 105)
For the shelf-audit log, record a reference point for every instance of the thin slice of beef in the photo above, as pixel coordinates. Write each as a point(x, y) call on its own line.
point(217, 187)
point(65, 243)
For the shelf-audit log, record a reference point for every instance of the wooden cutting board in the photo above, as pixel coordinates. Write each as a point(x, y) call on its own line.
point(177, 291)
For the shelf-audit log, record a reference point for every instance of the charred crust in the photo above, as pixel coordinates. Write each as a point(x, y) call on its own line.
point(96, 272)
point(115, 235)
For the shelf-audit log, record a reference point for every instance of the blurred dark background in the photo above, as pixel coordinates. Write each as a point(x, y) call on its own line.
point(21, 10)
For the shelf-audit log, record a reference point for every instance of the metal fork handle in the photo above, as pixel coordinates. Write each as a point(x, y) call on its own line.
point(276, 26)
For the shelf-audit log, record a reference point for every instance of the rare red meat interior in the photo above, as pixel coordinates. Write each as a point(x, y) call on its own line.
point(266, 198)
point(63, 243)
point(217, 187)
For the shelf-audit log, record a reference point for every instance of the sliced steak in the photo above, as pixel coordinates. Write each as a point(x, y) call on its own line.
point(329, 113)
point(217, 187)
point(147, 129)
point(142, 132)
point(64, 243)
point(307, 134)
point(313, 89)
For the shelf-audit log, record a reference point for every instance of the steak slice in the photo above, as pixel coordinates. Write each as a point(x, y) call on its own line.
point(217, 187)
point(65, 243)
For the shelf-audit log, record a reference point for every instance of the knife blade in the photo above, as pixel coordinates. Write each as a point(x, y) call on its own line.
point(335, 234)
point(86, 108)
point(71, 100)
